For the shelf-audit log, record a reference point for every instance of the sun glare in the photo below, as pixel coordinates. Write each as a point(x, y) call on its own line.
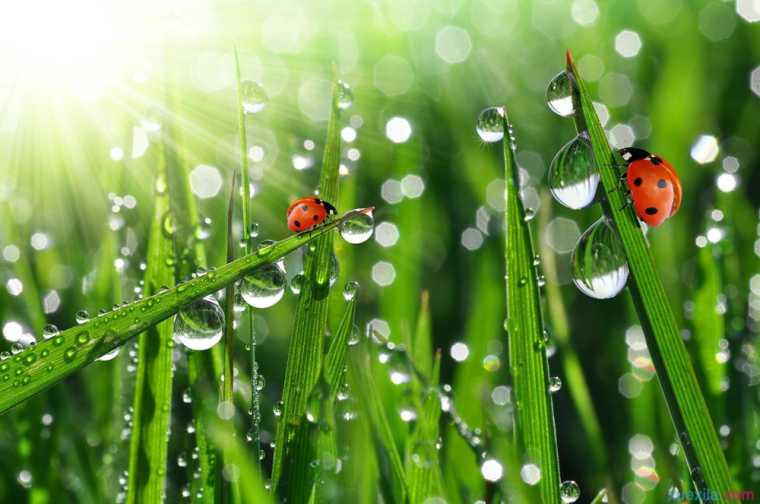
point(77, 44)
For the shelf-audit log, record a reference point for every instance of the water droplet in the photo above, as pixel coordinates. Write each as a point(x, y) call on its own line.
point(530, 474)
point(254, 232)
point(253, 96)
point(260, 382)
point(490, 125)
point(573, 178)
point(49, 331)
point(358, 228)
point(598, 265)
point(168, 224)
point(355, 336)
point(296, 284)
point(69, 354)
point(345, 96)
point(349, 292)
point(264, 286)
point(82, 317)
point(110, 355)
point(529, 214)
point(555, 384)
point(559, 95)
point(424, 454)
point(199, 324)
point(569, 491)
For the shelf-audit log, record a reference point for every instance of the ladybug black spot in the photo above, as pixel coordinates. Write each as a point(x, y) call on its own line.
point(297, 223)
point(662, 184)
point(650, 210)
point(637, 182)
point(316, 217)
point(304, 207)
point(656, 160)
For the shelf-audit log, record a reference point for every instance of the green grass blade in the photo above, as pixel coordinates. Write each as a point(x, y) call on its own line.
point(674, 369)
point(254, 433)
point(708, 325)
point(48, 362)
point(305, 352)
point(366, 388)
point(534, 418)
point(335, 360)
point(153, 382)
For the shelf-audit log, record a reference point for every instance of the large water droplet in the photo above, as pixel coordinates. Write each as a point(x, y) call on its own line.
point(598, 265)
point(490, 125)
point(559, 95)
point(569, 491)
point(199, 324)
point(573, 178)
point(264, 287)
point(345, 96)
point(253, 96)
point(358, 228)
point(555, 384)
point(49, 331)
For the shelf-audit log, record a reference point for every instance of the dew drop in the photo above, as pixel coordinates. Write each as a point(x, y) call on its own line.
point(264, 286)
point(168, 224)
point(598, 264)
point(82, 317)
point(424, 454)
point(555, 384)
point(355, 336)
point(569, 491)
point(559, 95)
point(573, 178)
point(199, 324)
point(296, 284)
point(69, 354)
point(253, 97)
point(49, 331)
point(110, 355)
point(490, 124)
point(345, 96)
point(349, 292)
point(358, 228)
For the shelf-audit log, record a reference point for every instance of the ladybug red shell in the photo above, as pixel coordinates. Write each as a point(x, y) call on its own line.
point(305, 213)
point(654, 184)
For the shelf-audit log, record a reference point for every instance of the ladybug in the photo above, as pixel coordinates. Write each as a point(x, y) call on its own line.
point(655, 188)
point(305, 213)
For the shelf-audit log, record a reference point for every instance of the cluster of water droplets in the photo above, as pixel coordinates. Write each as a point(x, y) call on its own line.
point(599, 267)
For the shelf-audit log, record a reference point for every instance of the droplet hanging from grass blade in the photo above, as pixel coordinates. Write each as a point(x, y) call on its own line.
point(598, 265)
point(357, 228)
point(490, 124)
point(198, 325)
point(264, 287)
point(573, 178)
point(253, 96)
point(559, 95)
point(345, 96)
point(569, 492)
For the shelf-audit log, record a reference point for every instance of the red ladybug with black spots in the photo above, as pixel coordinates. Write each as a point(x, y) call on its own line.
point(654, 185)
point(305, 213)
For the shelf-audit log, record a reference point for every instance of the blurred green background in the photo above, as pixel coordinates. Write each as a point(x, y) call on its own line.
point(82, 91)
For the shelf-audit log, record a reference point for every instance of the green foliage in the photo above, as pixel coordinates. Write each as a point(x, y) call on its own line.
point(676, 374)
point(529, 368)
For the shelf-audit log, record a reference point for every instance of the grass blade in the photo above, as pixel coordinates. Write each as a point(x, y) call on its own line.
point(153, 383)
point(48, 362)
point(687, 406)
point(534, 418)
point(305, 352)
point(335, 360)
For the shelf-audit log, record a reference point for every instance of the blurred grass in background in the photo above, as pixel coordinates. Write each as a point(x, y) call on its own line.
point(80, 149)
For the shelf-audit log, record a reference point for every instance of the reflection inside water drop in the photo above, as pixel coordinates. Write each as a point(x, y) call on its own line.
point(598, 265)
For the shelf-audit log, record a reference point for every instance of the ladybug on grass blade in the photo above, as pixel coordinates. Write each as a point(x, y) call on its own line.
point(654, 185)
point(305, 213)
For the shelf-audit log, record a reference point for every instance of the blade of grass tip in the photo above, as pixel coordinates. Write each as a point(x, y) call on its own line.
point(529, 367)
point(229, 486)
point(600, 497)
point(153, 380)
point(577, 385)
point(372, 405)
point(305, 351)
point(37, 368)
point(254, 434)
point(335, 360)
point(675, 372)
